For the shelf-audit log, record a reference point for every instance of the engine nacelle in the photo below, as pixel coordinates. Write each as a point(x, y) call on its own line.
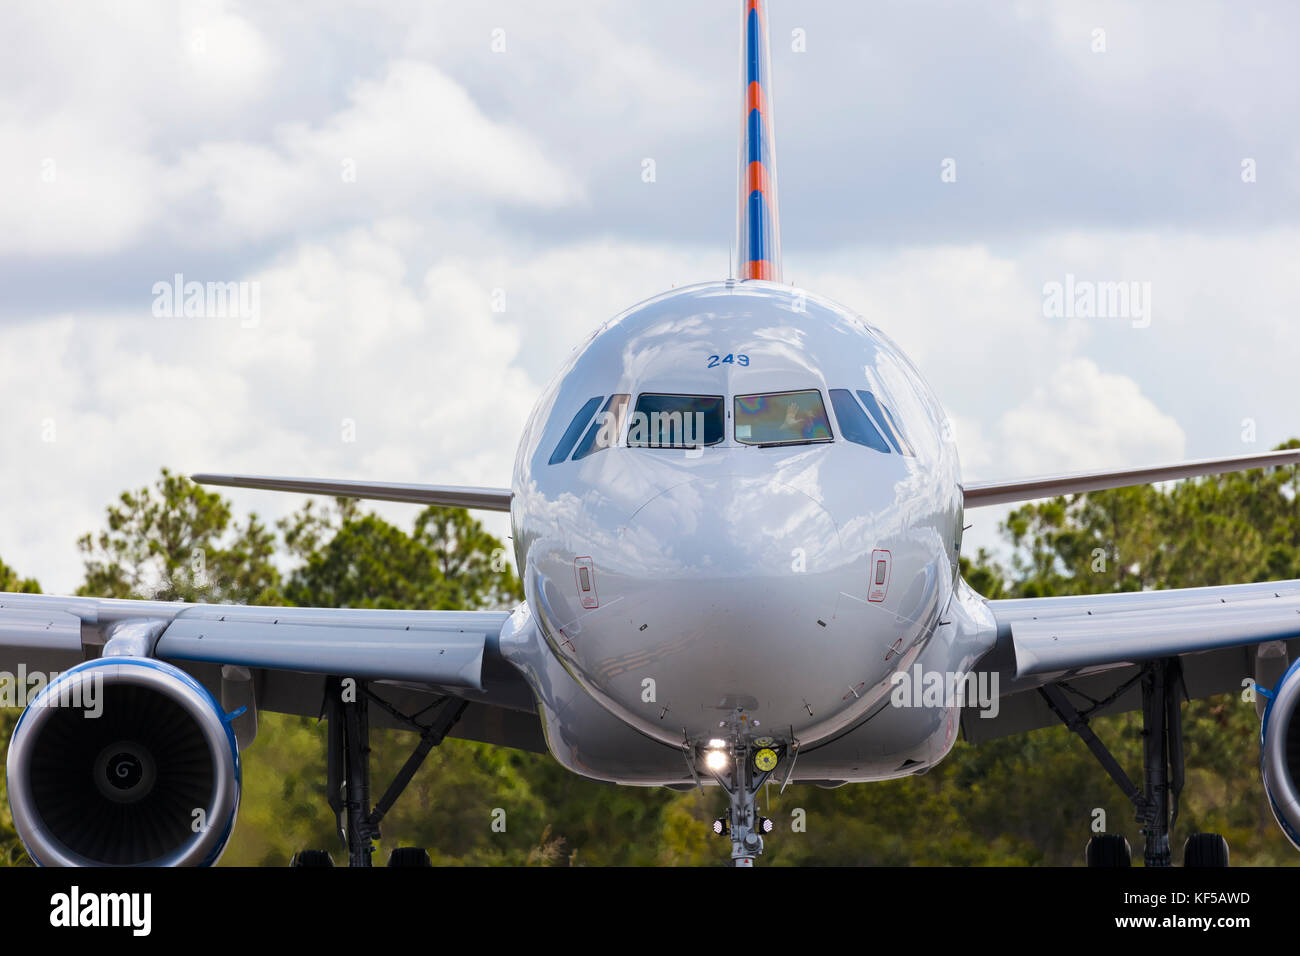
point(1279, 753)
point(124, 761)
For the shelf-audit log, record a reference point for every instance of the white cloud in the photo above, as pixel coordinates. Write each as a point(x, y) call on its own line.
point(1085, 419)
point(557, 296)
point(413, 139)
point(194, 127)
point(368, 325)
point(82, 180)
point(70, 186)
point(1080, 419)
point(429, 385)
point(154, 65)
point(953, 309)
point(94, 101)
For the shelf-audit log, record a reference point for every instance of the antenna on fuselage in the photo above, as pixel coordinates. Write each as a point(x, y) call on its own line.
point(758, 229)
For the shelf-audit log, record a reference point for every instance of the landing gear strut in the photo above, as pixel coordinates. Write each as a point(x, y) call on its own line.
point(348, 764)
point(742, 778)
point(1162, 753)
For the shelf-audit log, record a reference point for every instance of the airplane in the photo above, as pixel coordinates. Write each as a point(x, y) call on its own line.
point(737, 512)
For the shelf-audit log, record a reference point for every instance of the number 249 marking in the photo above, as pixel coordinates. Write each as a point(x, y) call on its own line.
point(730, 359)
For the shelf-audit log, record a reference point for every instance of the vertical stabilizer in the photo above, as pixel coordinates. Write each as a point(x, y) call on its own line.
point(759, 227)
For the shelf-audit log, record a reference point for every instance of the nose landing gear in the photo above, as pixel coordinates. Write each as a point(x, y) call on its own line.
point(747, 766)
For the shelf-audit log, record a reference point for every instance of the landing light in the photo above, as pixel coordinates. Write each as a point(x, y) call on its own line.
point(717, 743)
point(715, 759)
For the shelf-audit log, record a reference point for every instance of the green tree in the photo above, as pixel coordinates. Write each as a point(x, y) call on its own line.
point(350, 558)
point(175, 541)
point(10, 581)
point(473, 563)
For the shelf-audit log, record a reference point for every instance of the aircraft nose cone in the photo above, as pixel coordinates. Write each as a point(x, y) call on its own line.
point(734, 601)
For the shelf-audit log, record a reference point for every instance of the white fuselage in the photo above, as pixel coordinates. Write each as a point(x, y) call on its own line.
point(772, 588)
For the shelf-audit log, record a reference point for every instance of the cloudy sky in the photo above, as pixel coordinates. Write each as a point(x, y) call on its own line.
point(436, 200)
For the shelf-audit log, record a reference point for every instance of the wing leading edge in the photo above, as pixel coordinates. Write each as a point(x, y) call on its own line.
point(443, 648)
point(983, 493)
point(451, 496)
point(413, 658)
point(1077, 634)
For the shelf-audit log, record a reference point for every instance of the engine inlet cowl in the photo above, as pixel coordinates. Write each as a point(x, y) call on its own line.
point(142, 771)
point(1279, 753)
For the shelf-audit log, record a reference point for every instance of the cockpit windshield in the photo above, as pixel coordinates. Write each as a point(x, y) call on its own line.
point(782, 418)
point(676, 421)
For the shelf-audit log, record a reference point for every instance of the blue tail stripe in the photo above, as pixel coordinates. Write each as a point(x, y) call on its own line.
point(757, 145)
point(754, 50)
point(757, 226)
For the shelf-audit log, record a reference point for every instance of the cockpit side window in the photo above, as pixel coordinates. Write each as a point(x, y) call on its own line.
point(854, 423)
point(887, 424)
point(676, 421)
point(574, 430)
point(903, 443)
point(782, 418)
point(605, 429)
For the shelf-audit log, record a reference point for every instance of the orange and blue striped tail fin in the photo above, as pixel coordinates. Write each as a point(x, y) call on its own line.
point(759, 227)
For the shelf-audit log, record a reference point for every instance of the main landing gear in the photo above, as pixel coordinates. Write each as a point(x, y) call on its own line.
point(347, 714)
point(1162, 760)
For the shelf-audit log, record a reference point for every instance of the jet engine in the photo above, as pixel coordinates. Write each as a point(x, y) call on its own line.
point(124, 761)
point(1279, 753)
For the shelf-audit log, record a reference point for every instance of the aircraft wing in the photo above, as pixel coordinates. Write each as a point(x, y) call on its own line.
point(452, 496)
point(1070, 635)
point(982, 493)
point(1222, 635)
point(419, 655)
